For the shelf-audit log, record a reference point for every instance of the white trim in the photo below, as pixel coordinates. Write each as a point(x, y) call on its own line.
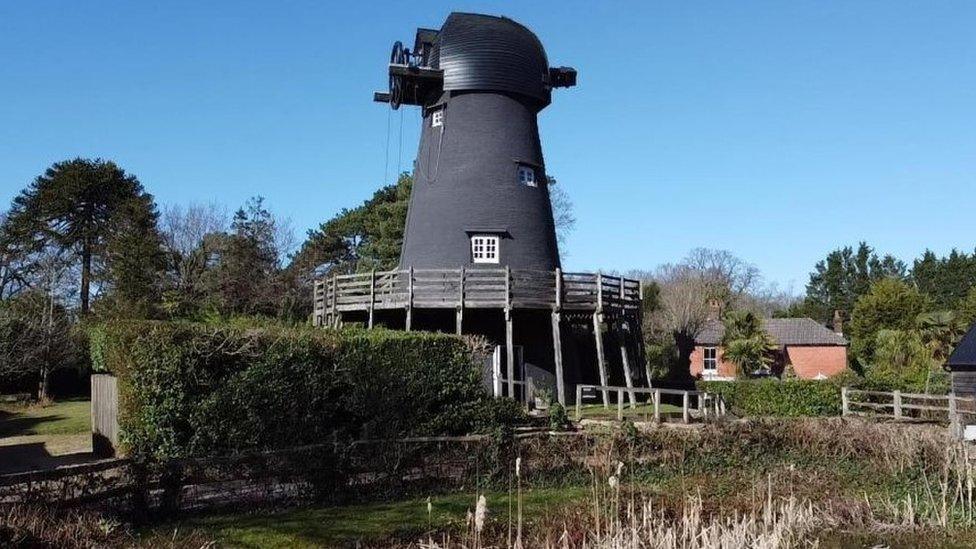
point(526, 176)
point(437, 118)
point(485, 248)
point(706, 371)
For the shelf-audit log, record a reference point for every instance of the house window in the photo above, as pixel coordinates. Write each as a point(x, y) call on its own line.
point(484, 249)
point(526, 176)
point(711, 360)
point(437, 118)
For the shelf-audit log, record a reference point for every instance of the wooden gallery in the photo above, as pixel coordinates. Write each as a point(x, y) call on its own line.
point(479, 252)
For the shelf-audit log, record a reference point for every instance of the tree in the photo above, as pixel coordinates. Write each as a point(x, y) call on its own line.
point(682, 296)
point(77, 207)
point(746, 343)
point(36, 338)
point(946, 279)
point(188, 234)
point(245, 262)
point(842, 277)
point(889, 304)
point(901, 361)
point(562, 213)
point(367, 237)
point(967, 308)
point(940, 331)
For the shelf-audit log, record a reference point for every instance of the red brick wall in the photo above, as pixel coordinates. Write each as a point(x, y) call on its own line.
point(725, 369)
point(808, 362)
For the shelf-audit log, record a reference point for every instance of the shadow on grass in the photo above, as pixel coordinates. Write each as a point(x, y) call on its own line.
point(14, 424)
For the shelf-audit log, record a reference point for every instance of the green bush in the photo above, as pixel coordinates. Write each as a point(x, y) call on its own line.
point(194, 389)
point(774, 397)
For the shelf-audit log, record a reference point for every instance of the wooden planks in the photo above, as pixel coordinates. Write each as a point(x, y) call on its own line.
point(473, 288)
point(104, 414)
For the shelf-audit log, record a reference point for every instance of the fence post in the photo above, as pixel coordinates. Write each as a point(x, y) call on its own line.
point(657, 405)
point(579, 402)
point(845, 403)
point(897, 405)
point(620, 405)
point(954, 423)
point(685, 413)
point(409, 320)
point(372, 295)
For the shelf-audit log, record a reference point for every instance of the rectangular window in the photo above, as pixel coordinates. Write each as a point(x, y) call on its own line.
point(484, 249)
point(437, 118)
point(526, 176)
point(711, 360)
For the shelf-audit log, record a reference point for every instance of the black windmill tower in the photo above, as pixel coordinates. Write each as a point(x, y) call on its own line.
point(479, 247)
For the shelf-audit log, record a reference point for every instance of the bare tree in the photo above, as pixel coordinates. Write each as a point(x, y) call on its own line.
point(186, 232)
point(562, 214)
point(684, 291)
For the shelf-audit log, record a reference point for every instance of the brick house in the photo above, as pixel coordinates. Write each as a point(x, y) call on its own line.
point(813, 350)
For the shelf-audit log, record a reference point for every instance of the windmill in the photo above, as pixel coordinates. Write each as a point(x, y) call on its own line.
point(479, 251)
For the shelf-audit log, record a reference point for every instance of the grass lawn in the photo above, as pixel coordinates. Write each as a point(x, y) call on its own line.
point(64, 417)
point(643, 412)
point(343, 526)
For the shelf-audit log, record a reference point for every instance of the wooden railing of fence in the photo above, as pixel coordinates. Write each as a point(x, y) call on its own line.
point(706, 404)
point(473, 289)
point(899, 405)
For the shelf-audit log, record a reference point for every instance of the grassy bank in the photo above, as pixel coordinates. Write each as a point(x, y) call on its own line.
point(64, 417)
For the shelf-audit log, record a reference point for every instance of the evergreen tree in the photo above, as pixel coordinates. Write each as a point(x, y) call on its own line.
point(77, 207)
point(890, 304)
point(945, 279)
point(842, 277)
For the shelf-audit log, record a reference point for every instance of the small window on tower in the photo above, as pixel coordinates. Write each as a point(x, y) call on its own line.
point(437, 118)
point(484, 249)
point(526, 176)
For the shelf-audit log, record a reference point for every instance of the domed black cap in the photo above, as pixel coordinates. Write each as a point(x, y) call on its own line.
point(488, 53)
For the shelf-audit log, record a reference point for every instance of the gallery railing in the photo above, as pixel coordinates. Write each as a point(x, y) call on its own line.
point(474, 289)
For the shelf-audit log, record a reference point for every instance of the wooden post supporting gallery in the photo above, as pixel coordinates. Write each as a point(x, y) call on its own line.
point(600, 358)
point(409, 321)
point(625, 361)
point(557, 352)
point(459, 319)
point(509, 333)
point(372, 295)
point(335, 292)
point(510, 352)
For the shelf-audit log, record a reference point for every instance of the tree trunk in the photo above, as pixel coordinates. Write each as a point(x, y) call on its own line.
point(42, 393)
point(86, 260)
point(686, 345)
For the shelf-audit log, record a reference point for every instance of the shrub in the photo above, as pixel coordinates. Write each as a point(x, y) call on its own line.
point(192, 389)
point(773, 397)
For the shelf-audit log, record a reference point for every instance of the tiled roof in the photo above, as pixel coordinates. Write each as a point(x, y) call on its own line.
point(965, 353)
point(786, 331)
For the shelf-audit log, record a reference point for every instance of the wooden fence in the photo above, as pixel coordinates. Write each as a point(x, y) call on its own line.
point(705, 405)
point(472, 289)
point(104, 414)
point(907, 406)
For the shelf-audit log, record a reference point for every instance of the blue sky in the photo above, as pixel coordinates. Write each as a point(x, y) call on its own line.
point(777, 130)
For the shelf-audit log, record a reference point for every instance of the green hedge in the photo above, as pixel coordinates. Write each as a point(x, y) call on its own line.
point(192, 389)
point(773, 397)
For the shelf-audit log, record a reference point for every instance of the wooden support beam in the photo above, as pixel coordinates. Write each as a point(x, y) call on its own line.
point(559, 289)
point(600, 358)
point(334, 319)
point(625, 361)
point(409, 321)
point(510, 352)
point(657, 405)
point(459, 320)
point(372, 296)
point(557, 352)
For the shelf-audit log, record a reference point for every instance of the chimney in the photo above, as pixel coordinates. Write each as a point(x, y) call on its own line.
point(714, 310)
point(838, 322)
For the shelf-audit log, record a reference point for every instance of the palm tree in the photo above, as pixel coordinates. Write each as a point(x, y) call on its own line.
point(746, 343)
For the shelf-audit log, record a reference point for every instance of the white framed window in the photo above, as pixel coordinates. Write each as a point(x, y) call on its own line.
point(711, 361)
point(437, 118)
point(484, 249)
point(526, 176)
